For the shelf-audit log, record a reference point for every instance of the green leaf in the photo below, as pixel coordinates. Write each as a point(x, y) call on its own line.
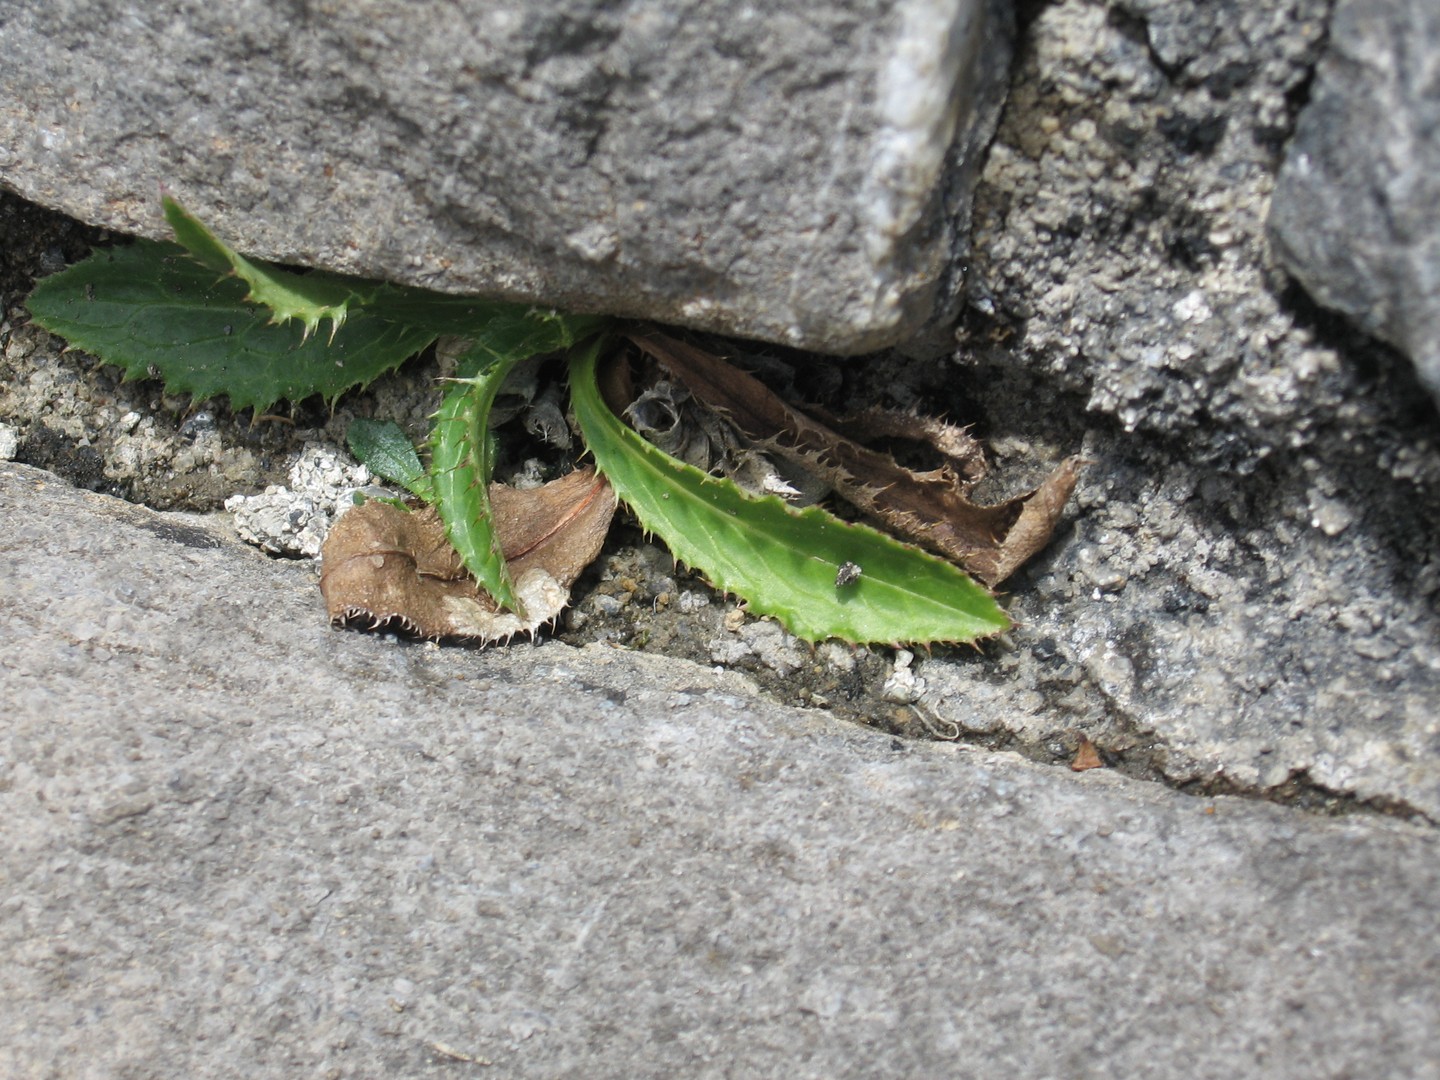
point(316, 295)
point(153, 311)
point(307, 298)
point(518, 334)
point(461, 464)
point(781, 561)
point(386, 451)
point(461, 456)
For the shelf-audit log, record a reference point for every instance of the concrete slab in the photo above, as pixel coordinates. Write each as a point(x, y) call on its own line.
point(240, 843)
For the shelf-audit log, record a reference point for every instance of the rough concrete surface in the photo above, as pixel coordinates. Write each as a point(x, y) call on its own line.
point(795, 172)
point(253, 846)
point(1248, 594)
point(1354, 213)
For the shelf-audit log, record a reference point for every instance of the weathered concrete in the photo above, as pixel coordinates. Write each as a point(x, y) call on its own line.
point(796, 172)
point(1250, 592)
point(239, 843)
point(1354, 212)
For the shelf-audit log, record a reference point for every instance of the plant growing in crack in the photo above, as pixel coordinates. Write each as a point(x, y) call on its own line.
point(466, 558)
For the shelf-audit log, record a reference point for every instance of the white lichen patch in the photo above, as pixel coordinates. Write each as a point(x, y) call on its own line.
point(294, 519)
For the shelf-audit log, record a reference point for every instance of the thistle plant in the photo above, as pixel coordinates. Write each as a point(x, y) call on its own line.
point(208, 322)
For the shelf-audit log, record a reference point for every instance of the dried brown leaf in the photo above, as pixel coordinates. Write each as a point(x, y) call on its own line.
point(1086, 756)
point(931, 508)
point(387, 566)
point(961, 450)
point(1040, 512)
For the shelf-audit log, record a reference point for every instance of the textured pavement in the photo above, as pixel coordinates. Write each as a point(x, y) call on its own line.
point(238, 843)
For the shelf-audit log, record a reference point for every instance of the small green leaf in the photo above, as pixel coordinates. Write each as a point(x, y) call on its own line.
point(781, 561)
point(461, 456)
point(307, 298)
point(386, 451)
point(518, 334)
point(153, 311)
point(461, 464)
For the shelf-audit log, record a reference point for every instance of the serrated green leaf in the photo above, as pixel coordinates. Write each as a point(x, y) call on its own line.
point(384, 449)
point(461, 461)
point(153, 311)
point(461, 465)
point(307, 298)
point(518, 334)
point(317, 294)
point(781, 561)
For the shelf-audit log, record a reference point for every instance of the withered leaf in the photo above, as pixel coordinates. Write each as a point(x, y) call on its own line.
point(930, 508)
point(386, 566)
point(1086, 756)
point(957, 446)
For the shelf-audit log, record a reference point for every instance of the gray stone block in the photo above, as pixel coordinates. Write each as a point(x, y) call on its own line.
point(238, 843)
point(1354, 216)
point(793, 172)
